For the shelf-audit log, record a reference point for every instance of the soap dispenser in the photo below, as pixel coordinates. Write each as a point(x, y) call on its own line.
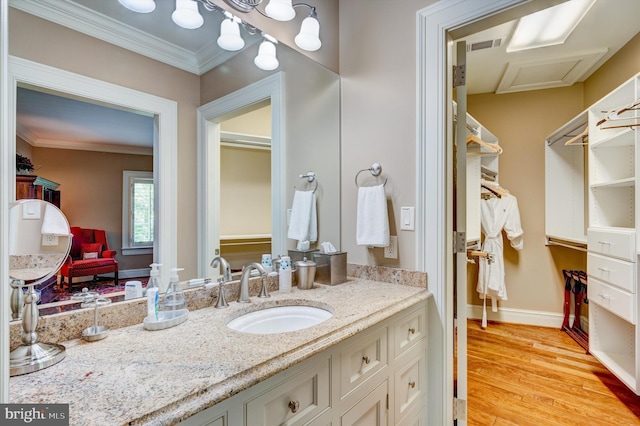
point(174, 297)
point(154, 277)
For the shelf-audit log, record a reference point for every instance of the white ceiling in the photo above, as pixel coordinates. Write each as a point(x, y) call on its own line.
point(43, 120)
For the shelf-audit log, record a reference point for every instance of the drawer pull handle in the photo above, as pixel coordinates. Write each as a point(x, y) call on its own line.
point(294, 406)
point(366, 359)
point(412, 384)
point(605, 242)
point(412, 330)
point(604, 269)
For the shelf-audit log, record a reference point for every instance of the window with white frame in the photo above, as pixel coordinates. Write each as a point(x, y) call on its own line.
point(137, 212)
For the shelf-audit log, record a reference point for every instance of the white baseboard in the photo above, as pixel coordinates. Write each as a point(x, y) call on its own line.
point(518, 316)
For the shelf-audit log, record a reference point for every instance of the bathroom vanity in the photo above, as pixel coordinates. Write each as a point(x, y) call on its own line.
point(368, 361)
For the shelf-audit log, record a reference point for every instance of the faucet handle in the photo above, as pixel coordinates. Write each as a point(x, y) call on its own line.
point(222, 302)
point(264, 292)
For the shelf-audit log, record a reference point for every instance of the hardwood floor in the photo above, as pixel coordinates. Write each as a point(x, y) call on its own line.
point(526, 375)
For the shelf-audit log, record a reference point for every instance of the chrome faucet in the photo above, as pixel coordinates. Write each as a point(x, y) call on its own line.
point(226, 277)
point(244, 282)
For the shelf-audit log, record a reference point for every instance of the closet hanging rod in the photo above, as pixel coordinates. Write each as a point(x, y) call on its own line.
point(582, 136)
point(375, 170)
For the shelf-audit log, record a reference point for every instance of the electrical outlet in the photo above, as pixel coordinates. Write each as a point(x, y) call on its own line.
point(49, 240)
point(391, 251)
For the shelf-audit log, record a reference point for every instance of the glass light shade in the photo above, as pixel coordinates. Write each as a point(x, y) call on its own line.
point(280, 10)
point(309, 36)
point(140, 6)
point(266, 59)
point(186, 15)
point(230, 36)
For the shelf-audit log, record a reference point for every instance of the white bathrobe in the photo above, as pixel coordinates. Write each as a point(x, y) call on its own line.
point(497, 214)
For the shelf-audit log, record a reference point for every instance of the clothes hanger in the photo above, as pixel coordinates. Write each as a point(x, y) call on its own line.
point(494, 188)
point(583, 136)
point(614, 115)
point(494, 148)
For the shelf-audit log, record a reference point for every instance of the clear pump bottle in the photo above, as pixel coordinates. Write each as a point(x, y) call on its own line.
point(174, 297)
point(154, 277)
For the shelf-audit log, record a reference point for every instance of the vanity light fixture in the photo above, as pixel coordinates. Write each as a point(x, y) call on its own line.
point(548, 27)
point(230, 33)
point(266, 59)
point(187, 15)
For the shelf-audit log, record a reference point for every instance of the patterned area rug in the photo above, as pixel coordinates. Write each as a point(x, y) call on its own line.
point(56, 299)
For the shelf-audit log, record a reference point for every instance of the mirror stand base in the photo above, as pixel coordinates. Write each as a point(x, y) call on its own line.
point(29, 358)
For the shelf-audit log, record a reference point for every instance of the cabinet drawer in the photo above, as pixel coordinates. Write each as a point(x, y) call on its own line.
point(410, 384)
point(612, 242)
point(362, 359)
point(294, 402)
point(408, 330)
point(619, 273)
point(619, 302)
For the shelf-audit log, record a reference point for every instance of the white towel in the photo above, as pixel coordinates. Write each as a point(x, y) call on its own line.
point(372, 228)
point(303, 224)
point(54, 222)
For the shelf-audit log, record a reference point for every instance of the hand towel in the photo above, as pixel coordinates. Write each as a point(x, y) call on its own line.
point(372, 227)
point(53, 222)
point(303, 222)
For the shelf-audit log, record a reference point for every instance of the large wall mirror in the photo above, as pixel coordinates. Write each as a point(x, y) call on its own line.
point(307, 138)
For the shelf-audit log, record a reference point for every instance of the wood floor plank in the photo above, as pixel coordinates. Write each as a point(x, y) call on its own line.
point(523, 375)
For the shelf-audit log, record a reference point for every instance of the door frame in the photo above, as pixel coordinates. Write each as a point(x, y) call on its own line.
point(208, 118)
point(434, 227)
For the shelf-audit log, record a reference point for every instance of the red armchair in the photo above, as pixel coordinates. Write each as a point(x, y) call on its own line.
point(89, 255)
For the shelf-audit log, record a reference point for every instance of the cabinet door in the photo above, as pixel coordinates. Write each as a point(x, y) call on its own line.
point(294, 402)
point(409, 385)
point(370, 411)
point(408, 330)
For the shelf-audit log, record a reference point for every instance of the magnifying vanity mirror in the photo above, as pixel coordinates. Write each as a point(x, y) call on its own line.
point(39, 243)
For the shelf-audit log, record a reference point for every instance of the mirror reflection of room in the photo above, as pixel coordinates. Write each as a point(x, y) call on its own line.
point(98, 180)
point(245, 185)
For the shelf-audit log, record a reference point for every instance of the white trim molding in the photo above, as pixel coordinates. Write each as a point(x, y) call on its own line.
point(209, 117)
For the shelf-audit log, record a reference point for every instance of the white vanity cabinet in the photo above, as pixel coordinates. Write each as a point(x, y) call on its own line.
point(612, 262)
point(377, 377)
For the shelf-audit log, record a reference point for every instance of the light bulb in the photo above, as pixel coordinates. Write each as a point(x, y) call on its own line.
point(230, 36)
point(140, 6)
point(266, 59)
point(186, 15)
point(308, 37)
point(280, 10)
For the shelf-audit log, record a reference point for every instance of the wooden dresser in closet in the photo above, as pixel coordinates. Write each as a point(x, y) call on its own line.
point(37, 187)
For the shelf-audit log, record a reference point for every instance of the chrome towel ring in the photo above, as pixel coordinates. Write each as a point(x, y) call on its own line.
point(375, 170)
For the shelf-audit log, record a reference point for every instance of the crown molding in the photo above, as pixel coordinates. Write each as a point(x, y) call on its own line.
point(26, 134)
point(93, 146)
point(86, 21)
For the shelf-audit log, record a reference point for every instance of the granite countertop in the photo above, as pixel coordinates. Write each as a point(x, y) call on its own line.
point(136, 376)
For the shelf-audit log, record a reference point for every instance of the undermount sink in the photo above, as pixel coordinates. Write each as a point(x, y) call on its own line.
point(279, 319)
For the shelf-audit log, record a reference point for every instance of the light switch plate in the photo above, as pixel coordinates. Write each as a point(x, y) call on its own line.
point(407, 218)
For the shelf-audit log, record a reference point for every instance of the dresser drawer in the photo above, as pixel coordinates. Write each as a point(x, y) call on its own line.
point(618, 243)
point(615, 300)
point(619, 273)
point(294, 402)
point(410, 383)
point(408, 330)
point(362, 359)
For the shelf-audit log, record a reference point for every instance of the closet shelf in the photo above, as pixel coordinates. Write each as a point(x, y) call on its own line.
point(625, 137)
point(619, 183)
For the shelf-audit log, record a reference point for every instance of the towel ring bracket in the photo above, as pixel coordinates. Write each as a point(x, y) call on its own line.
point(310, 177)
point(375, 170)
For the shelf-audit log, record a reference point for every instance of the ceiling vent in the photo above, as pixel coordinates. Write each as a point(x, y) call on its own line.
point(481, 45)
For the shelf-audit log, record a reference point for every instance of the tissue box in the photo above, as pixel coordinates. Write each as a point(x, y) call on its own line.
point(331, 268)
point(297, 255)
